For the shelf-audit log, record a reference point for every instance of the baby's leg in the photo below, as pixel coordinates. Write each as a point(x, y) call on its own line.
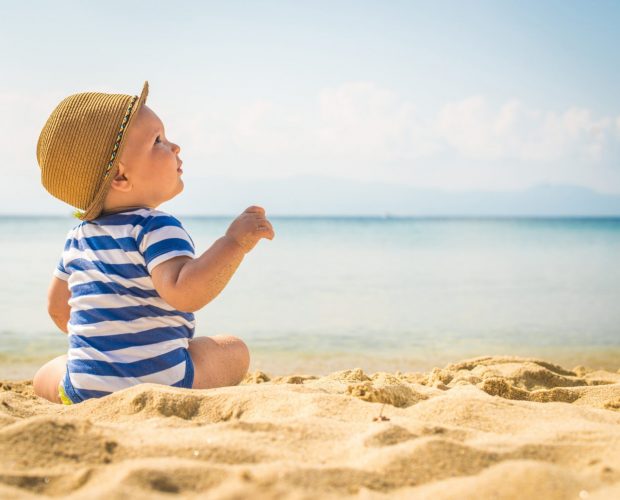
point(219, 361)
point(48, 377)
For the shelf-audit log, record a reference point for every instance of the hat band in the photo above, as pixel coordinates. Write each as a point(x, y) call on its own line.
point(120, 135)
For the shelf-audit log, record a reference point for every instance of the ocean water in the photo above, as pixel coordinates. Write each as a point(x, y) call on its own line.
point(332, 293)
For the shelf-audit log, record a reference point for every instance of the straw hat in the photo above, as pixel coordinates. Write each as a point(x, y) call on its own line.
point(80, 145)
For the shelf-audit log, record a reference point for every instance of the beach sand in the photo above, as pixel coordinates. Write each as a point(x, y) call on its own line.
point(488, 427)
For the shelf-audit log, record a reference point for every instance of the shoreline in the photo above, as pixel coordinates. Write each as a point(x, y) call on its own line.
point(283, 362)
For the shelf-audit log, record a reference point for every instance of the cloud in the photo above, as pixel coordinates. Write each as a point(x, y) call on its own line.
point(363, 131)
point(362, 121)
point(476, 130)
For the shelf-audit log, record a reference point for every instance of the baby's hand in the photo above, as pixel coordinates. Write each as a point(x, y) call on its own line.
point(250, 227)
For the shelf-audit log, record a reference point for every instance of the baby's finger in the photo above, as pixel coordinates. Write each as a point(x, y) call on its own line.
point(255, 209)
point(265, 227)
point(269, 229)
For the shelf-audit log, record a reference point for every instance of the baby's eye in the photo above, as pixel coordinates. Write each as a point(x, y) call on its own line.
point(156, 139)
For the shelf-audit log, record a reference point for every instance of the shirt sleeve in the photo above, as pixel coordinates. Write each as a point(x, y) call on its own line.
point(162, 238)
point(60, 271)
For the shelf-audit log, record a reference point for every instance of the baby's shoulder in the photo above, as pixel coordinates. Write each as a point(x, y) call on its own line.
point(155, 212)
point(156, 222)
point(158, 217)
point(72, 233)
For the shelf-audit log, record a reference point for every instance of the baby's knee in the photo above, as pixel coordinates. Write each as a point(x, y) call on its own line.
point(243, 353)
point(240, 350)
point(232, 342)
point(46, 379)
point(244, 356)
point(37, 382)
point(43, 386)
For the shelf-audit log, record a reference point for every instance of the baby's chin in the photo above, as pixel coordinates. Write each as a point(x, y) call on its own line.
point(180, 188)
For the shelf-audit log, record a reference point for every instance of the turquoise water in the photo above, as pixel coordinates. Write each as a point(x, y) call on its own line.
point(379, 293)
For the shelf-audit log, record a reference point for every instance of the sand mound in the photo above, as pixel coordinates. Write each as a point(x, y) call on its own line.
point(489, 427)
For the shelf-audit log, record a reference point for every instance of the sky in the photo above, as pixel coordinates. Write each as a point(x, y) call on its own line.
point(476, 95)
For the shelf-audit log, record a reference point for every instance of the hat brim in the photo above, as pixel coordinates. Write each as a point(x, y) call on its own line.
point(94, 209)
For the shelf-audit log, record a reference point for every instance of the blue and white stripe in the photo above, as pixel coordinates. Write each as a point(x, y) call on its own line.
point(121, 332)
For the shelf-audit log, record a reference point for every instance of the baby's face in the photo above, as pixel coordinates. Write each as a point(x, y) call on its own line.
point(149, 168)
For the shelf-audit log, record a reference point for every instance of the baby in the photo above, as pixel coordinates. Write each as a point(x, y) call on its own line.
point(128, 281)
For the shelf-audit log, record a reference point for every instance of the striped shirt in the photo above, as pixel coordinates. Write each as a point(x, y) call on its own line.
point(121, 332)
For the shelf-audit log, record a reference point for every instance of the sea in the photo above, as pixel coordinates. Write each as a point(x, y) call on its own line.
point(381, 293)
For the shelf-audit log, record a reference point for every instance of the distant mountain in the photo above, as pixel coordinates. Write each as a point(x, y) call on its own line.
point(318, 195)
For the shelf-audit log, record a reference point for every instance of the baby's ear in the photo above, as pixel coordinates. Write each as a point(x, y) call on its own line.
point(120, 182)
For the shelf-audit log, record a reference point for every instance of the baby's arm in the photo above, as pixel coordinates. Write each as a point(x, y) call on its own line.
point(58, 307)
point(189, 284)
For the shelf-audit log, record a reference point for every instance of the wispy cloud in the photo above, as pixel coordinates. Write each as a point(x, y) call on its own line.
point(476, 129)
point(360, 130)
point(363, 120)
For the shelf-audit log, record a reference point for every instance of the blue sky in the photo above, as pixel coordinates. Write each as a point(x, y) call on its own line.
point(452, 95)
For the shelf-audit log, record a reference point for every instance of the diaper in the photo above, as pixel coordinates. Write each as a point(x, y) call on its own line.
point(63, 395)
point(69, 395)
point(67, 392)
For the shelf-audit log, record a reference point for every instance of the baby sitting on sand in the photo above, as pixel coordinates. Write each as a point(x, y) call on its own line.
point(128, 282)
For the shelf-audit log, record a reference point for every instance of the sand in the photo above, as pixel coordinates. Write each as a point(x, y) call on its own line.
point(488, 427)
